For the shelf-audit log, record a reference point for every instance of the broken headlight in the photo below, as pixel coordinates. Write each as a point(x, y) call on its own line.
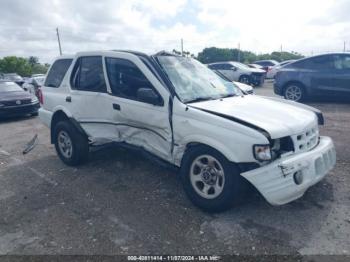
point(262, 152)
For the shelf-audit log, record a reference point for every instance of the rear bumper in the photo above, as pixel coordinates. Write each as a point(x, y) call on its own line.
point(45, 116)
point(19, 110)
point(276, 182)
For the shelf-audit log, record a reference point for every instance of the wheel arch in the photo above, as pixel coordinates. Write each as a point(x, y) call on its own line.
point(228, 154)
point(61, 115)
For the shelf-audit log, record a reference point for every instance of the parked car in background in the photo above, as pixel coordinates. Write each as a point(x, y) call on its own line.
point(14, 101)
point(318, 76)
point(183, 114)
point(246, 89)
point(266, 64)
point(14, 78)
point(32, 84)
point(255, 66)
point(235, 71)
point(273, 70)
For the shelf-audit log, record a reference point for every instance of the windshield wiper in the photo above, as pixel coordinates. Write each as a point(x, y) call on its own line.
point(199, 99)
point(228, 95)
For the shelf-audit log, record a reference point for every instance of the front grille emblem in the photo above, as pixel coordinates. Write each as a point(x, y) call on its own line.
point(18, 102)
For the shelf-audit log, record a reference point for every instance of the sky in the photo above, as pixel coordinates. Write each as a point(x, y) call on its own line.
point(28, 27)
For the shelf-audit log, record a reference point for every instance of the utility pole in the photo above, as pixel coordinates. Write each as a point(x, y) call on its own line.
point(239, 52)
point(281, 48)
point(344, 47)
point(182, 47)
point(59, 41)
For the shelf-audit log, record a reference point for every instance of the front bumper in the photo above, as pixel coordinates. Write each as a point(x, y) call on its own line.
point(19, 110)
point(275, 181)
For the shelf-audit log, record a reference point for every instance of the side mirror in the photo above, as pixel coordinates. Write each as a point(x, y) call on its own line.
point(147, 95)
point(234, 68)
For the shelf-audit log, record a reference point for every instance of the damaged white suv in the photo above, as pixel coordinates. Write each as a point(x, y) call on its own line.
point(178, 110)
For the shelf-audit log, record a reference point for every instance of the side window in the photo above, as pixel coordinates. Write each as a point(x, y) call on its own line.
point(214, 67)
point(57, 72)
point(88, 75)
point(227, 66)
point(125, 78)
point(325, 62)
point(342, 62)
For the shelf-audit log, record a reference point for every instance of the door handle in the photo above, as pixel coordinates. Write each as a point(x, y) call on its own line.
point(116, 107)
point(68, 99)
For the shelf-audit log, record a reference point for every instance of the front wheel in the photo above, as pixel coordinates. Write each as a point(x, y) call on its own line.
point(71, 146)
point(294, 92)
point(211, 182)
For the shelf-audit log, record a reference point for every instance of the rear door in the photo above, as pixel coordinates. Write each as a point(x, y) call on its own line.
point(229, 71)
point(322, 72)
point(88, 100)
point(342, 75)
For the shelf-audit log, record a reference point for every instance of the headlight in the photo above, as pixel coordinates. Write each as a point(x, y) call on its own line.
point(262, 152)
point(34, 99)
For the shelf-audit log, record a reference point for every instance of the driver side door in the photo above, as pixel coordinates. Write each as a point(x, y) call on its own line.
point(138, 121)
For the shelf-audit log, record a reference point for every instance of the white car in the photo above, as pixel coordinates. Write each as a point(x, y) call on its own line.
point(236, 71)
point(183, 114)
point(247, 89)
point(33, 83)
point(274, 69)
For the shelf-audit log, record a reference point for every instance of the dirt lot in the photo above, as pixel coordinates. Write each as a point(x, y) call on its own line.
point(121, 203)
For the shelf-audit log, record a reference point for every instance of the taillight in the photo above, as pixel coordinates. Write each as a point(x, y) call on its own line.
point(40, 96)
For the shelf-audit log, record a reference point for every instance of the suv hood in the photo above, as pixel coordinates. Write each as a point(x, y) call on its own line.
point(276, 118)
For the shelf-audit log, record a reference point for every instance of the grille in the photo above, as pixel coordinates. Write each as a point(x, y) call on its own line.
point(13, 102)
point(306, 141)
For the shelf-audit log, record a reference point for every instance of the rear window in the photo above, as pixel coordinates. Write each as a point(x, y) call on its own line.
point(57, 72)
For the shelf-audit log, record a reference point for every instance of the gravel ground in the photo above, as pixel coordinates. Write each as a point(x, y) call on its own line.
point(121, 203)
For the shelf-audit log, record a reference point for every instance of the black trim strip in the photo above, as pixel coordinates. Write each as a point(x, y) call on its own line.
point(240, 121)
point(123, 124)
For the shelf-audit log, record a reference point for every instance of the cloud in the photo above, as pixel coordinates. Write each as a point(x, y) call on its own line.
point(28, 27)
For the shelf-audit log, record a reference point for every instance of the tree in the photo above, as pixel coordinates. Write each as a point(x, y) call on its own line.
point(214, 54)
point(33, 60)
point(13, 64)
point(22, 66)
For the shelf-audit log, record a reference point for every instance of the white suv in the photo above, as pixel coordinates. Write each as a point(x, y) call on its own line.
point(178, 110)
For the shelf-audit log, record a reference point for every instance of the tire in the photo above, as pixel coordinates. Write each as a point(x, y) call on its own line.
point(232, 183)
point(74, 150)
point(295, 92)
point(245, 79)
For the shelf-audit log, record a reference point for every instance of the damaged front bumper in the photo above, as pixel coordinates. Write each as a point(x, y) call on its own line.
point(287, 179)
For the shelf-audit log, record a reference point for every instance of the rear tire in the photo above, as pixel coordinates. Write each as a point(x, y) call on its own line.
point(295, 92)
point(212, 194)
point(71, 146)
point(245, 79)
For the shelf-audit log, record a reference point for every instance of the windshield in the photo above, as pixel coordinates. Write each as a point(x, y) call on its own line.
point(193, 81)
point(9, 87)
